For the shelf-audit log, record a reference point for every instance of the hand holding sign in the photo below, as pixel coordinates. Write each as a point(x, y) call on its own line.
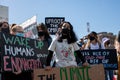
point(48, 68)
point(18, 72)
point(85, 64)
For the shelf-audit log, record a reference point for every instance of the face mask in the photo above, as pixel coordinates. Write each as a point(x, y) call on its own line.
point(92, 38)
point(5, 30)
point(41, 33)
point(20, 34)
point(64, 36)
point(65, 31)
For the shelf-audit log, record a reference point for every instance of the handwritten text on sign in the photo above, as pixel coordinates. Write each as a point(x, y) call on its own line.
point(108, 57)
point(52, 23)
point(21, 53)
point(95, 72)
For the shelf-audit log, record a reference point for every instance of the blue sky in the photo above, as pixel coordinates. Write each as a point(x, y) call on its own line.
point(103, 15)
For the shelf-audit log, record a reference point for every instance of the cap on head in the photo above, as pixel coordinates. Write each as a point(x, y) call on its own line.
point(105, 39)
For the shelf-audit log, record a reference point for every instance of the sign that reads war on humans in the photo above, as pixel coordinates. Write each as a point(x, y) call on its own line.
point(52, 23)
point(19, 53)
point(108, 57)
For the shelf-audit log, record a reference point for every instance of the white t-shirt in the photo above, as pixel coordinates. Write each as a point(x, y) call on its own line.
point(95, 46)
point(64, 53)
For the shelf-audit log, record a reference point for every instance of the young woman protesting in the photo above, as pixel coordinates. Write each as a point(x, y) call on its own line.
point(64, 47)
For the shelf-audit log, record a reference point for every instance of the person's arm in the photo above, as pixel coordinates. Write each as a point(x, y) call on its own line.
point(80, 56)
point(49, 58)
point(84, 62)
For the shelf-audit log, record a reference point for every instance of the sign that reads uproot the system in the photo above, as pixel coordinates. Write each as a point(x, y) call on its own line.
point(52, 23)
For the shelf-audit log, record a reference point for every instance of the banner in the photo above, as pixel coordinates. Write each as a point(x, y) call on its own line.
point(95, 72)
point(108, 57)
point(19, 53)
point(30, 29)
point(52, 23)
point(4, 13)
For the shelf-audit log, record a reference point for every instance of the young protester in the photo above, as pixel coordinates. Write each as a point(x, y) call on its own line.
point(93, 42)
point(19, 75)
point(64, 48)
point(17, 30)
point(43, 35)
point(106, 45)
point(81, 44)
point(117, 47)
point(4, 27)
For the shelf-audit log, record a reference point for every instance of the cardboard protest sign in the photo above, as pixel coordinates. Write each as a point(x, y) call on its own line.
point(108, 57)
point(95, 72)
point(52, 23)
point(19, 53)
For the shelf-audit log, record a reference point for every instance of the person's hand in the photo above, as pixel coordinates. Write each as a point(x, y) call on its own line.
point(85, 64)
point(48, 68)
point(18, 72)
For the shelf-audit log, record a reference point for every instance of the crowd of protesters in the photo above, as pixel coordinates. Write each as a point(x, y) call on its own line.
point(62, 48)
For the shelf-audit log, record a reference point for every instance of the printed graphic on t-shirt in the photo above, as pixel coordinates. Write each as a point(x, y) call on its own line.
point(66, 52)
